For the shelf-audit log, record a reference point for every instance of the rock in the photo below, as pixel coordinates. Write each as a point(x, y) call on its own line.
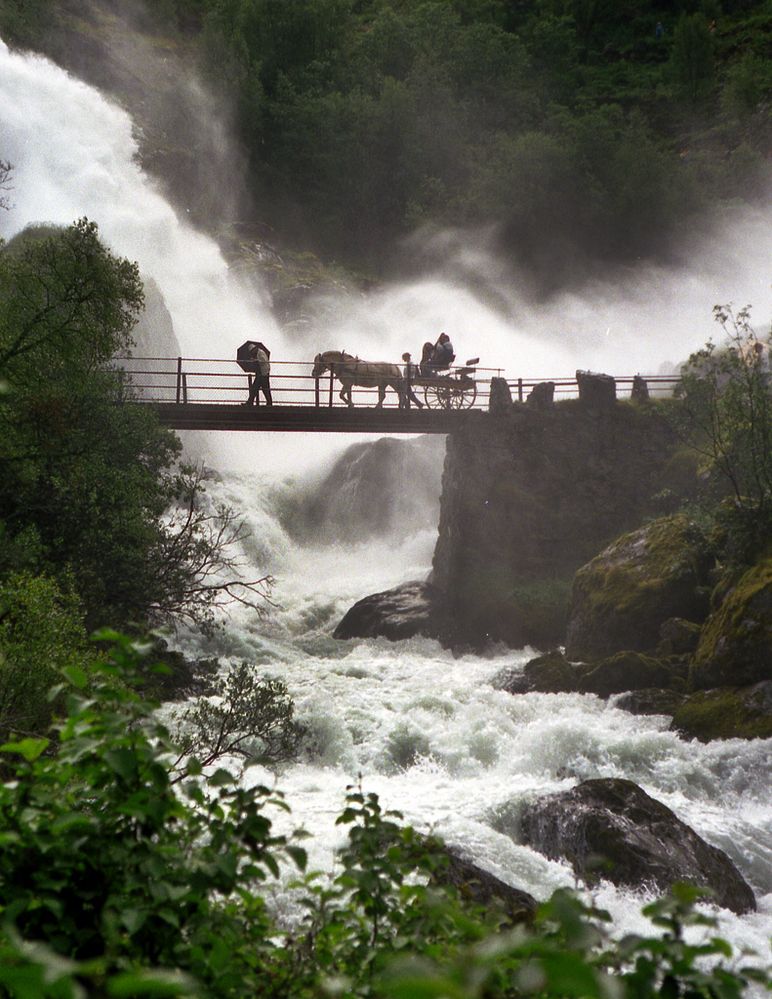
point(612, 829)
point(500, 400)
point(640, 390)
point(480, 887)
point(678, 637)
point(596, 390)
point(541, 396)
point(373, 488)
point(621, 598)
point(403, 612)
point(726, 713)
point(735, 647)
point(650, 701)
point(551, 673)
point(627, 671)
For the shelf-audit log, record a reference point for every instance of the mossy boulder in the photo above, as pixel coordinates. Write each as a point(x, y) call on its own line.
point(651, 701)
point(735, 647)
point(629, 671)
point(726, 713)
point(678, 637)
point(621, 598)
point(550, 673)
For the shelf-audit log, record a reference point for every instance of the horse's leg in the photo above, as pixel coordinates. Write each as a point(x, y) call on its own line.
point(345, 394)
point(381, 396)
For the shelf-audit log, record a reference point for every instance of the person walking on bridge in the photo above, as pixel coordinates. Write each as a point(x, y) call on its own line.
point(409, 373)
point(261, 379)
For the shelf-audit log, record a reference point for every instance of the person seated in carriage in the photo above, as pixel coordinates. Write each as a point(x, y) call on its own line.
point(424, 368)
point(442, 354)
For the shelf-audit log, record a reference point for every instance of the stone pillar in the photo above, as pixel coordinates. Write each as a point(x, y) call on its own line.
point(640, 390)
point(596, 390)
point(500, 401)
point(542, 396)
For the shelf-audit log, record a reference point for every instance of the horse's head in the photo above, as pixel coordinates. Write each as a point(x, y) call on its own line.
point(320, 366)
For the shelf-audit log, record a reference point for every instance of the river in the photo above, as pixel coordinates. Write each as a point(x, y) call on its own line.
point(429, 732)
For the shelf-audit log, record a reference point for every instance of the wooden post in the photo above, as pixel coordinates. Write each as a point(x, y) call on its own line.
point(331, 379)
point(179, 377)
point(184, 387)
point(316, 392)
point(519, 389)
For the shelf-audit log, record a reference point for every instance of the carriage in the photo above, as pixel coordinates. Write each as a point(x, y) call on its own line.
point(456, 389)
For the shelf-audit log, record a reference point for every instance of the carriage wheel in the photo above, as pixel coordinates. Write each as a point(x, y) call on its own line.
point(451, 396)
point(465, 395)
point(438, 396)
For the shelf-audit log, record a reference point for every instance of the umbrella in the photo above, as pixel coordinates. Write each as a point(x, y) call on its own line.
point(245, 355)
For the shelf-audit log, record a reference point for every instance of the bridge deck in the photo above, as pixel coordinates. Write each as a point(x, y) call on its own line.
point(313, 419)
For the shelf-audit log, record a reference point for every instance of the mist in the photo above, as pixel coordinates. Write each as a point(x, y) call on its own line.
point(88, 165)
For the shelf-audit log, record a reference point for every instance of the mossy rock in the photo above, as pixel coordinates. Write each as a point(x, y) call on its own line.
point(551, 673)
point(629, 671)
point(735, 646)
point(650, 701)
point(621, 598)
point(726, 713)
point(678, 637)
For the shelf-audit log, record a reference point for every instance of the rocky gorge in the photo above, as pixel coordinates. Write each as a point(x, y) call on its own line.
point(559, 528)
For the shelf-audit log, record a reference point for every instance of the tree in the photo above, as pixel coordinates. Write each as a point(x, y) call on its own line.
point(691, 60)
point(89, 487)
point(5, 183)
point(725, 414)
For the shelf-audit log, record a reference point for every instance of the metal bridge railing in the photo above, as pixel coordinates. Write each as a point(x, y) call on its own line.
point(200, 380)
point(659, 386)
point(220, 381)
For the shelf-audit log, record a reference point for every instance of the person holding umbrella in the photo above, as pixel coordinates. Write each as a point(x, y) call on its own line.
point(254, 358)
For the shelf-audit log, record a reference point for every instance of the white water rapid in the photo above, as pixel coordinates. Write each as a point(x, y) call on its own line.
point(430, 733)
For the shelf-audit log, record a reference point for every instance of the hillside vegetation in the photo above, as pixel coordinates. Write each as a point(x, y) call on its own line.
point(578, 133)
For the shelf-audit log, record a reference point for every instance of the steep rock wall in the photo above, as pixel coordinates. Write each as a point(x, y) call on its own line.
point(530, 497)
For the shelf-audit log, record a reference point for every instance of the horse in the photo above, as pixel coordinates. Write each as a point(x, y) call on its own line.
point(351, 370)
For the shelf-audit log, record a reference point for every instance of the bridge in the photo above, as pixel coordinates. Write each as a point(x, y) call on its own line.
point(194, 393)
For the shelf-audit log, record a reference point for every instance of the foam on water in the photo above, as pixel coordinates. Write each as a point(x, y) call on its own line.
point(430, 733)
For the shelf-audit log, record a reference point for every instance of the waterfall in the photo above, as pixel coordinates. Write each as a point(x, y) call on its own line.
point(432, 734)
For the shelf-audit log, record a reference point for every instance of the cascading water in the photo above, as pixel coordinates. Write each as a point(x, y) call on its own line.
point(430, 733)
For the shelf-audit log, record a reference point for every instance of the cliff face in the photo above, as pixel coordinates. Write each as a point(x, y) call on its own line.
point(528, 499)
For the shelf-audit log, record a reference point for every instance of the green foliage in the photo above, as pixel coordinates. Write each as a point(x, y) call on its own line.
point(248, 716)
point(116, 879)
point(24, 22)
point(366, 119)
point(41, 634)
point(691, 59)
point(725, 414)
point(86, 480)
point(105, 864)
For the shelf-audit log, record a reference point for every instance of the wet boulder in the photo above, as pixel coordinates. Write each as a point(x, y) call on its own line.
point(611, 829)
point(726, 713)
point(482, 888)
point(650, 701)
point(628, 671)
point(550, 673)
point(735, 646)
point(402, 612)
point(621, 599)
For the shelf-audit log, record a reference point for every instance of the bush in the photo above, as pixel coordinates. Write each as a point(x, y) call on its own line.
point(115, 883)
